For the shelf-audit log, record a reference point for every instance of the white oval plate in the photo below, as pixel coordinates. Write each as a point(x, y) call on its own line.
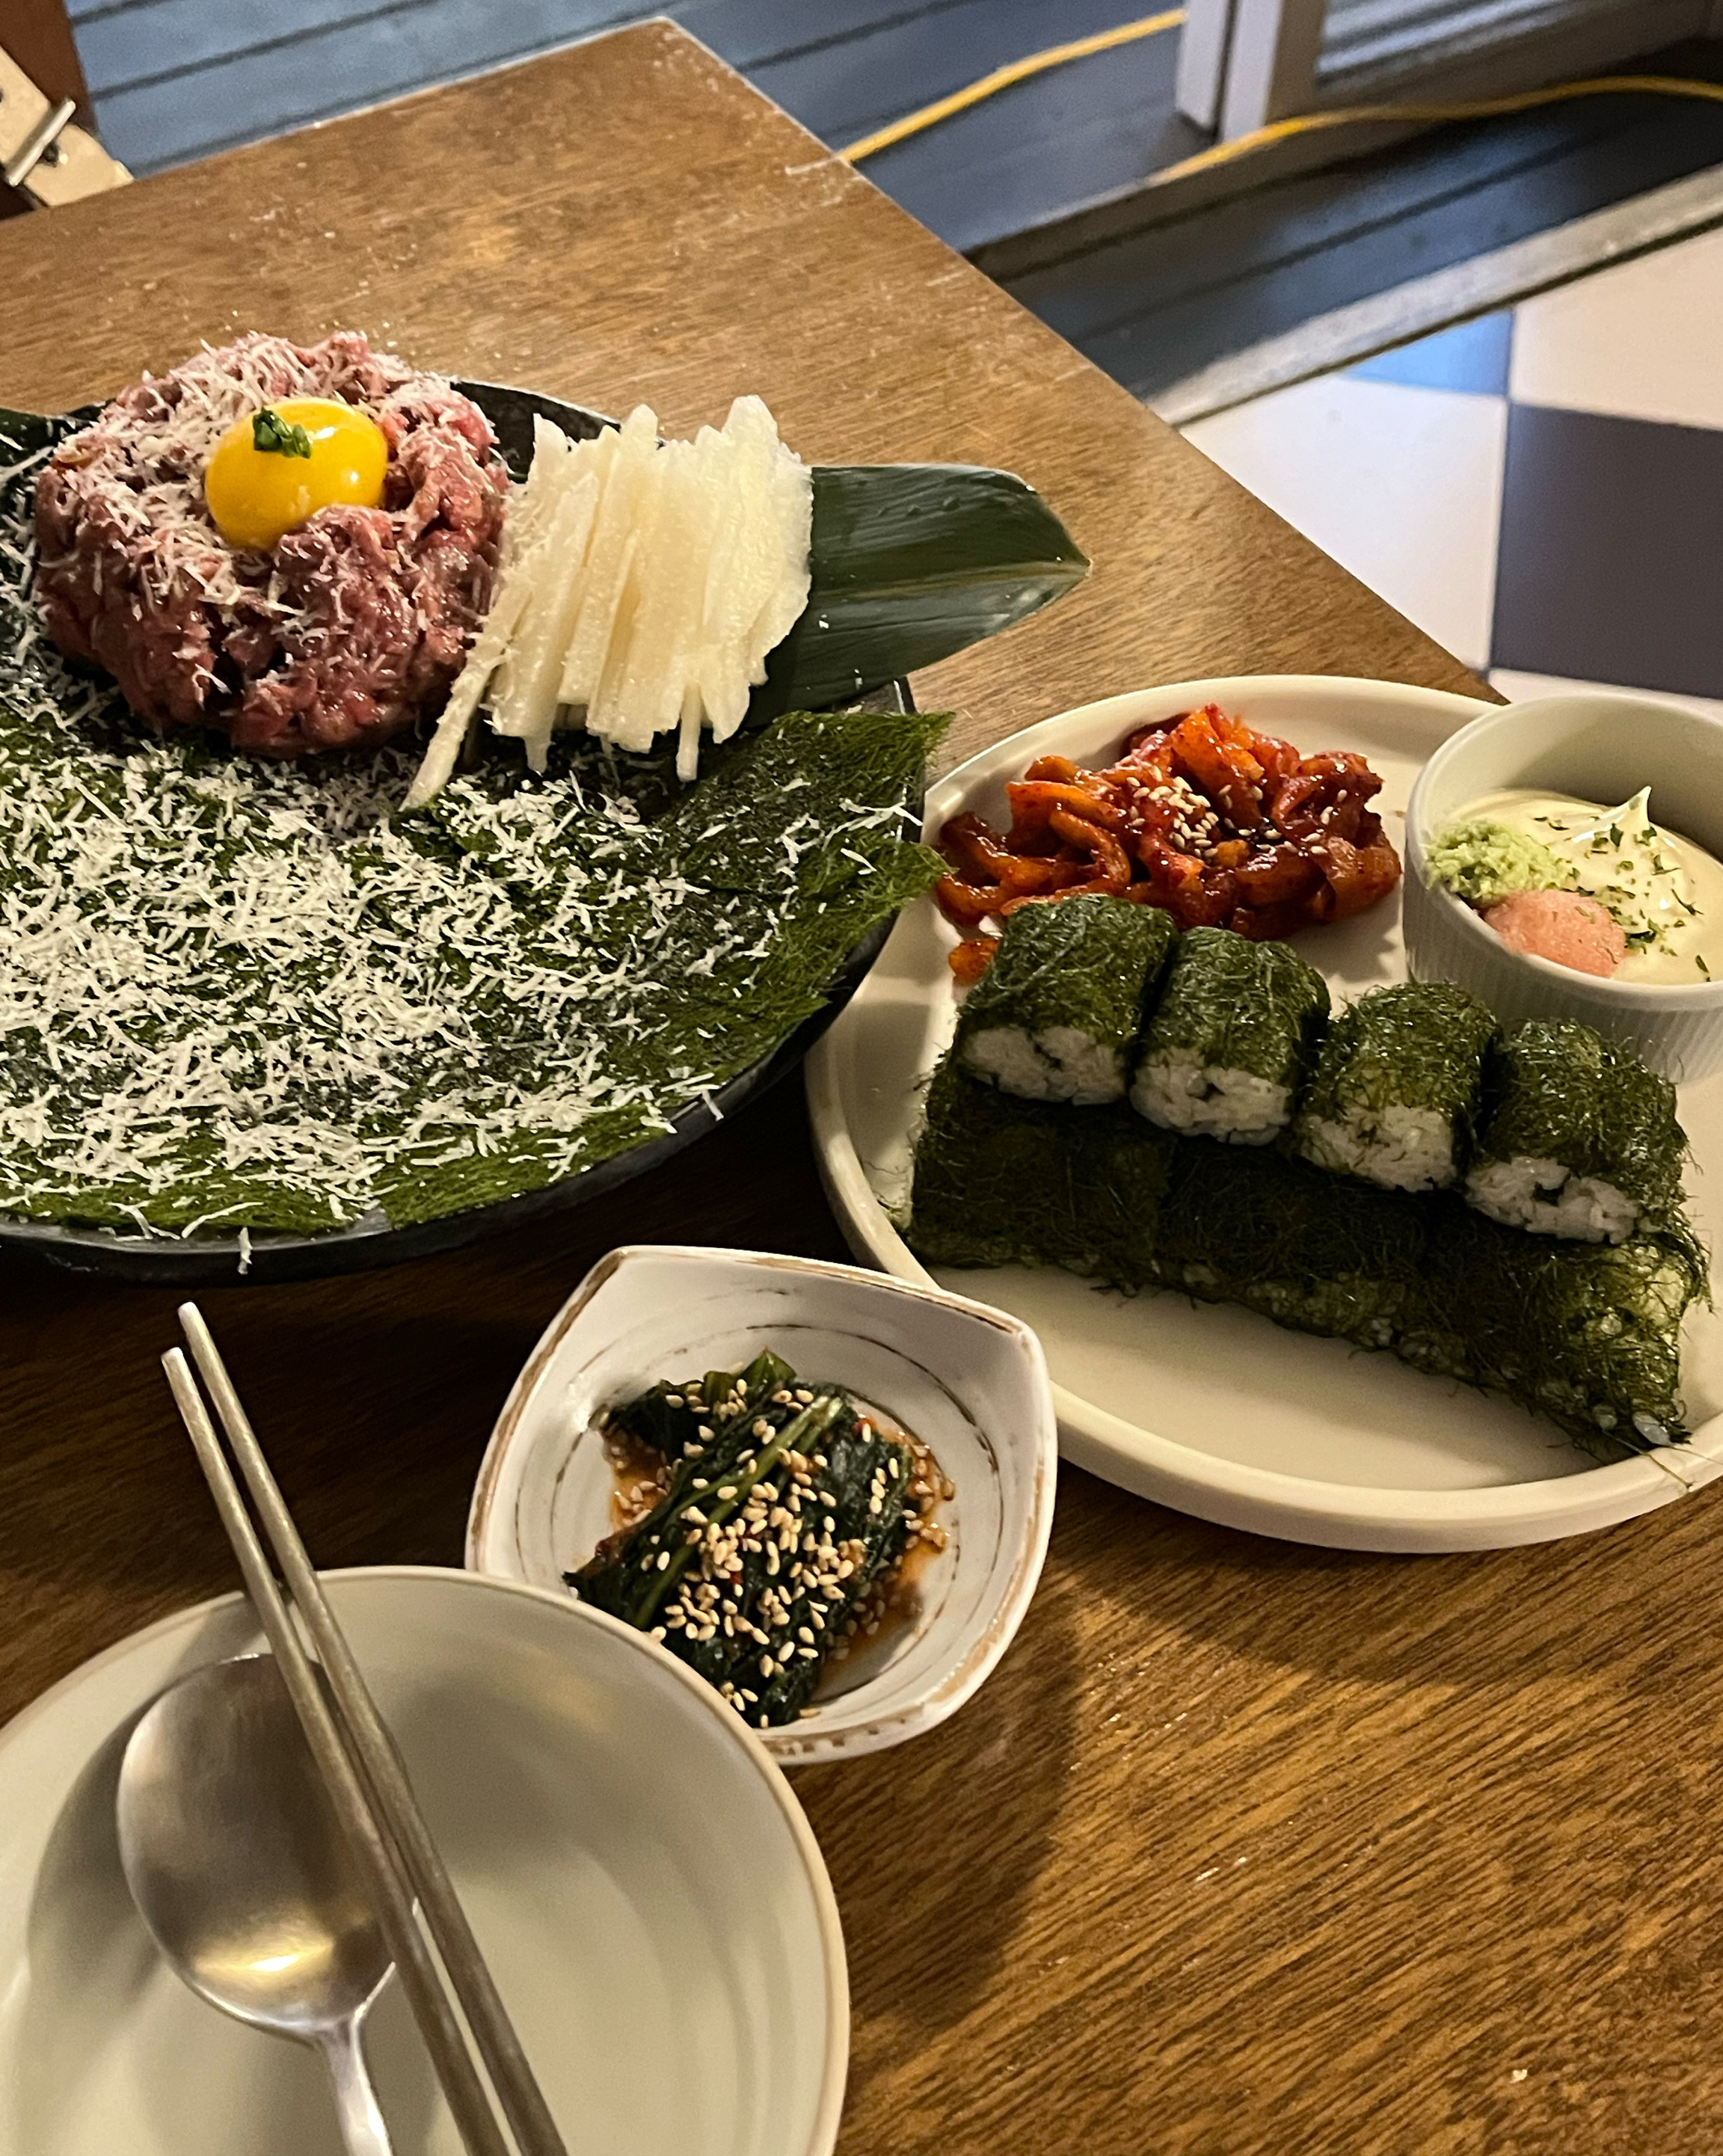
point(1216, 1411)
point(643, 1882)
point(969, 1381)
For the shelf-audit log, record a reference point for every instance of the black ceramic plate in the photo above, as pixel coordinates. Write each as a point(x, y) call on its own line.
point(214, 1260)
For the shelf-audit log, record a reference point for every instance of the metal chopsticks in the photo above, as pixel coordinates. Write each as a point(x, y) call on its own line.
point(363, 1774)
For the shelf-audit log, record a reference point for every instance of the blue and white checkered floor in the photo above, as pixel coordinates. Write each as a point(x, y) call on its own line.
point(1541, 489)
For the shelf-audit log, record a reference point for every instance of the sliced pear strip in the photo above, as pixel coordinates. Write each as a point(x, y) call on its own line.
point(641, 587)
point(526, 704)
point(629, 481)
point(517, 579)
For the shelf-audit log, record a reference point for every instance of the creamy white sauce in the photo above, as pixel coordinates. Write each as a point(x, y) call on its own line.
point(1666, 892)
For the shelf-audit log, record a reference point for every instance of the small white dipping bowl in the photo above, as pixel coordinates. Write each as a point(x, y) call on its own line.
point(969, 1381)
point(639, 1875)
point(1599, 747)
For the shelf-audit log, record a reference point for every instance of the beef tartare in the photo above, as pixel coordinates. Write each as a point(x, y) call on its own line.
point(350, 628)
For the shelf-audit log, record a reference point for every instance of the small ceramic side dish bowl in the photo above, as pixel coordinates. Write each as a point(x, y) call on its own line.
point(1600, 746)
point(968, 1381)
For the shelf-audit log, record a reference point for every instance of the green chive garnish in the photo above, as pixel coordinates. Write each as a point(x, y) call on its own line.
point(280, 437)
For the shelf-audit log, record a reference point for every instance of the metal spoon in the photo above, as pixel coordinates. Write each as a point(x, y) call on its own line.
point(239, 1867)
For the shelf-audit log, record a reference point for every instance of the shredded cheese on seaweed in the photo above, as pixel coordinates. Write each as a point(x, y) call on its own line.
point(243, 993)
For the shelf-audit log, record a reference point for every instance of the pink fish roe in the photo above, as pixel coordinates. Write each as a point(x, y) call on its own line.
point(1565, 927)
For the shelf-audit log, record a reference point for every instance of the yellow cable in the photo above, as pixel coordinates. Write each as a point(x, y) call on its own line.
point(1277, 131)
point(1003, 78)
point(1484, 108)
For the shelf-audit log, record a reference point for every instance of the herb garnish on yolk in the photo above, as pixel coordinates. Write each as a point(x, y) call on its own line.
point(274, 469)
point(270, 431)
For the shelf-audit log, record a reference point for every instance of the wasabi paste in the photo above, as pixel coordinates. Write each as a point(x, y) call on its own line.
point(1483, 861)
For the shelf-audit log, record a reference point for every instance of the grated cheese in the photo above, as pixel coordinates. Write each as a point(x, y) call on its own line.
point(237, 992)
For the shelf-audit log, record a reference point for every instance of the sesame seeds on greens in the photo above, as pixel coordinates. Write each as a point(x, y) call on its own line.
point(241, 993)
point(778, 1513)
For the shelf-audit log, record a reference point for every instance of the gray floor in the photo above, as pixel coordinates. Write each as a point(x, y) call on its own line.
point(1156, 308)
point(175, 79)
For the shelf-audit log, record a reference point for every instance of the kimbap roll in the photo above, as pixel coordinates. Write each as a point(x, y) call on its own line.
point(1588, 1334)
point(1581, 1140)
point(1398, 1083)
point(1259, 1227)
point(1231, 1039)
point(1056, 1015)
point(1002, 1181)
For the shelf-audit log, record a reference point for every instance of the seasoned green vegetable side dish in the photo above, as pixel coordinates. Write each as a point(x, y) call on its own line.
point(777, 1512)
point(1503, 1211)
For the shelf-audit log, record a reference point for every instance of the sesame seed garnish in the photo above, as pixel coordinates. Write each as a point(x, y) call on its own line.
point(759, 1572)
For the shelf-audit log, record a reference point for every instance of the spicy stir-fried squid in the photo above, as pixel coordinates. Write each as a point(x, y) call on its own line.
point(1220, 825)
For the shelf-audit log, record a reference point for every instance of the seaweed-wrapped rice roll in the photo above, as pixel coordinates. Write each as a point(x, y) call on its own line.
point(1260, 1228)
point(1002, 1181)
point(1587, 1333)
point(1397, 1088)
point(1581, 1140)
point(1231, 1039)
point(1056, 1015)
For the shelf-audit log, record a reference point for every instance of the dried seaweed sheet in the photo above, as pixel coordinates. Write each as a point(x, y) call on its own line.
point(1057, 1013)
point(1587, 1334)
point(236, 993)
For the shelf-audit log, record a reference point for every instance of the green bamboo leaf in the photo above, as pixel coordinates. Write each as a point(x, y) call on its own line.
point(911, 563)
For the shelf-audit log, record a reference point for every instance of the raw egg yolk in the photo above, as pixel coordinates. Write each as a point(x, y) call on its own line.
point(256, 494)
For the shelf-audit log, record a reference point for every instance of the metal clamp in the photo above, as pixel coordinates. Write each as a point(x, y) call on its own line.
point(41, 138)
point(44, 155)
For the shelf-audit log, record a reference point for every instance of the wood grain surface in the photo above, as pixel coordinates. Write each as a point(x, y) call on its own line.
point(1246, 1848)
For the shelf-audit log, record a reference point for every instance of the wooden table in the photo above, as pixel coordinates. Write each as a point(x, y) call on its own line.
point(1247, 1848)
